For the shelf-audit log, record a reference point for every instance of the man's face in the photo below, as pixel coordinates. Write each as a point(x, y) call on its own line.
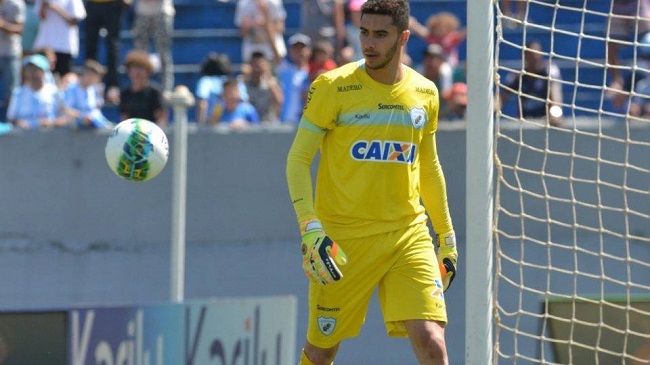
point(138, 73)
point(231, 97)
point(380, 40)
point(300, 53)
point(432, 62)
point(33, 73)
point(259, 66)
point(89, 78)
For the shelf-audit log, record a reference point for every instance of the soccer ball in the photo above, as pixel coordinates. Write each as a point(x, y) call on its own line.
point(137, 150)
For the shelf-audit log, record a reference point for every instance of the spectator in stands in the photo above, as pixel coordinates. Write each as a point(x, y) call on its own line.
point(264, 89)
point(520, 9)
point(36, 103)
point(232, 110)
point(294, 78)
point(58, 29)
point(322, 59)
point(12, 18)
point(84, 101)
point(444, 29)
point(435, 68)
point(623, 27)
point(640, 81)
point(106, 14)
point(455, 104)
point(141, 99)
point(155, 19)
point(622, 77)
point(453, 95)
point(352, 49)
point(540, 83)
point(640, 103)
point(324, 20)
point(215, 70)
point(50, 55)
point(61, 82)
point(261, 25)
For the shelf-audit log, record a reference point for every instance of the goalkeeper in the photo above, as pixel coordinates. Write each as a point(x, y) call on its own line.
point(374, 122)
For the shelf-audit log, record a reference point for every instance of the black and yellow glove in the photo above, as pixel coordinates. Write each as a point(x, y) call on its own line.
point(447, 258)
point(320, 255)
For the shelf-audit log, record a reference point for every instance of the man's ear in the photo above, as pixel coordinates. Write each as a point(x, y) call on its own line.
point(404, 37)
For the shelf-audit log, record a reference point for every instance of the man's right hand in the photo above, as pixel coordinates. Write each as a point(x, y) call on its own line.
point(320, 255)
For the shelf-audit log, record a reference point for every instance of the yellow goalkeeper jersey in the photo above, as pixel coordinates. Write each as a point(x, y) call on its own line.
point(369, 173)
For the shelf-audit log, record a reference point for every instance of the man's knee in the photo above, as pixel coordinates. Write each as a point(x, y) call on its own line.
point(428, 340)
point(432, 345)
point(312, 355)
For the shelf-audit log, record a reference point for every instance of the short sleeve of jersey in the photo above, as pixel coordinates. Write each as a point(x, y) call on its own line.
point(321, 108)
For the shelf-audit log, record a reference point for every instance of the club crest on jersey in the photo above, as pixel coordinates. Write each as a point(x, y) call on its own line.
point(383, 151)
point(326, 325)
point(418, 116)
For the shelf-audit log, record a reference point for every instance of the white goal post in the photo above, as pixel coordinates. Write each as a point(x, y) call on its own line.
point(557, 262)
point(478, 205)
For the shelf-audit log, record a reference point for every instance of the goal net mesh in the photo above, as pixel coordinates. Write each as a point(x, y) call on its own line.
point(572, 200)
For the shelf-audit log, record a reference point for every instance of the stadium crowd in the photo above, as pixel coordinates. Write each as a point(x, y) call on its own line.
point(271, 81)
point(40, 45)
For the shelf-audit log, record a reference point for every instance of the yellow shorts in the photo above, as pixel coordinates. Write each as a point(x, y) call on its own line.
point(402, 264)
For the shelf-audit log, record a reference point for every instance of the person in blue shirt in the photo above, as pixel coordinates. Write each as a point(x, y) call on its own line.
point(36, 103)
point(232, 110)
point(84, 101)
point(215, 70)
point(293, 74)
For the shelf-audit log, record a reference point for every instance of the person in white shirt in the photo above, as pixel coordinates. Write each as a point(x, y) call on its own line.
point(59, 30)
point(261, 25)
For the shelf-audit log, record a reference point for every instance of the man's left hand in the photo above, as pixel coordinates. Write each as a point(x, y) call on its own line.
point(447, 257)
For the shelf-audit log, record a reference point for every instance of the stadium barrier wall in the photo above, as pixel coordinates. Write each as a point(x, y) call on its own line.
point(58, 188)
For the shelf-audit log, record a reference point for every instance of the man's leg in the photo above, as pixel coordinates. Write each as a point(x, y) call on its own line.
point(428, 341)
point(163, 41)
point(92, 25)
point(312, 355)
point(113, 14)
point(9, 77)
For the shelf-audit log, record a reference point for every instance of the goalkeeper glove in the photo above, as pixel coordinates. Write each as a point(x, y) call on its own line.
point(320, 255)
point(447, 258)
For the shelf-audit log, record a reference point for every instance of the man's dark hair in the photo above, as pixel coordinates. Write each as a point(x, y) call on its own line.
point(230, 82)
point(396, 9)
point(216, 64)
point(257, 54)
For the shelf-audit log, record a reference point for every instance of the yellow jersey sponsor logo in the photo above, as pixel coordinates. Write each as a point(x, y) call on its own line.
point(384, 151)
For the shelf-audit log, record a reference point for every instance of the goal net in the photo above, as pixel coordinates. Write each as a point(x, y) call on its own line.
point(571, 224)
